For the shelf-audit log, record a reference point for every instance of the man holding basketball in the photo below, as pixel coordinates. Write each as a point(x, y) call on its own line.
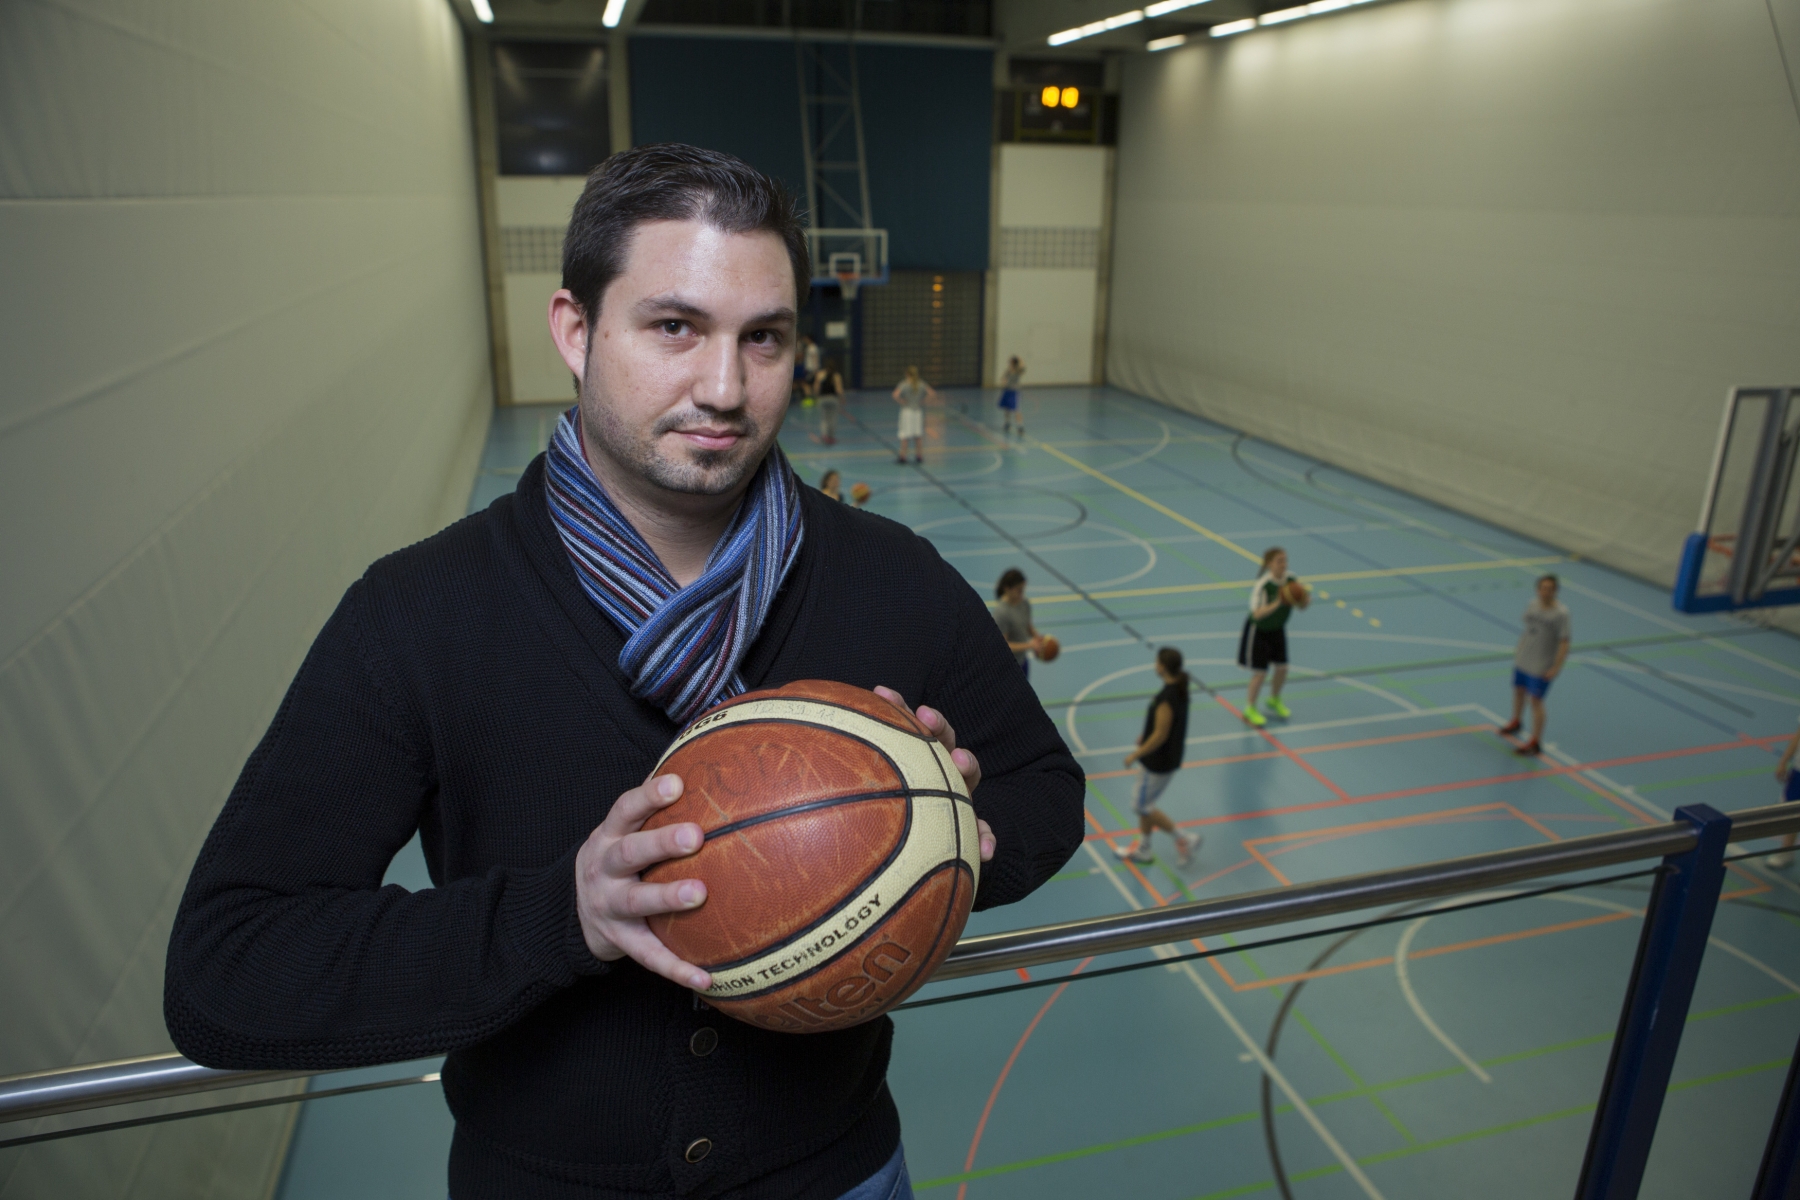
point(504, 688)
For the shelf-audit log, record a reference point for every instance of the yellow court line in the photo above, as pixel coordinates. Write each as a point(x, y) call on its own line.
point(1164, 509)
point(1229, 585)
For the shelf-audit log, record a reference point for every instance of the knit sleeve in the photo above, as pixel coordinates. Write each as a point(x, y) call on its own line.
point(287, 950)
point(1031, 790)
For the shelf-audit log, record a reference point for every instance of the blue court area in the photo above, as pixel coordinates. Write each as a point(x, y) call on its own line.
point(1446, 1054)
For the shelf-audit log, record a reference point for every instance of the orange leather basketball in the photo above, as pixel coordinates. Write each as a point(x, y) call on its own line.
point(1294, 593)
point(859, 492)
point(1049, 648)
point(840, 860)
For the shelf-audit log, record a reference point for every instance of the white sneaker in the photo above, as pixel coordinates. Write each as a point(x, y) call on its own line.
point(1137, 852)
point(1779, 862)
point(1184, 849)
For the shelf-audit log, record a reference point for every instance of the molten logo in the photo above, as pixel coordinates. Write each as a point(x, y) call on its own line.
point(878, 967)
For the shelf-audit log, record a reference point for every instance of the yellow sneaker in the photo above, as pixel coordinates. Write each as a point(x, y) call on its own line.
point(1277, 708)
point(1253, 717)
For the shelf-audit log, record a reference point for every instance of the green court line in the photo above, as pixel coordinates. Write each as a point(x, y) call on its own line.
point(1070, 875)
point(1373, 1097)
point(1417, 1147)
point(1099, 504)
point(1087, 1151)
point(1719, 777)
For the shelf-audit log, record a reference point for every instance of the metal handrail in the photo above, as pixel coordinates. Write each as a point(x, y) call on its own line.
point(157, 1076)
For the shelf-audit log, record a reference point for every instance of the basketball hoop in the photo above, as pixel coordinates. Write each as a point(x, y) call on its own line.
point(846, 265)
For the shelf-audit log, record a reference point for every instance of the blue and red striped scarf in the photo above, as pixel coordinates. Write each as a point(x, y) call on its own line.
point(683, 644)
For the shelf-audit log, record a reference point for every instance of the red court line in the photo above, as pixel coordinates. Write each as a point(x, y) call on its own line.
point(988, 1109)
point(1264, 754)
point(1457, 785)
point(1276, 742)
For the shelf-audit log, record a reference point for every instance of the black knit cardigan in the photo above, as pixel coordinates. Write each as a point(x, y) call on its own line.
point(466, 689)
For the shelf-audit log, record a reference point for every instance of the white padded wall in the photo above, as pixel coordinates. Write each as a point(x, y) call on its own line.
point(1052, 204)
point(1506, 254)
point(246, 353)
point(534, 215)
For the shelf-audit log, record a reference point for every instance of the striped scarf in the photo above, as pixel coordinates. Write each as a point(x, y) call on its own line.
point(683, 644)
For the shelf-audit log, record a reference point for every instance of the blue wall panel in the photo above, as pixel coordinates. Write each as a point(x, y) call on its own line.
point(927, 125)
point(739, 95)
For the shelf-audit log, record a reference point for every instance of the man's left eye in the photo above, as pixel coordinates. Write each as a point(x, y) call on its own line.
point(671, 327)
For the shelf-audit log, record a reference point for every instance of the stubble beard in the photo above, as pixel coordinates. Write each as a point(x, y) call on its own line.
point(689, 471)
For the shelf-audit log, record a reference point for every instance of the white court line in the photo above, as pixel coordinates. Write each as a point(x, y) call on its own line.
point(1412, 997)
point(1249, 1043)
point(1613, 664)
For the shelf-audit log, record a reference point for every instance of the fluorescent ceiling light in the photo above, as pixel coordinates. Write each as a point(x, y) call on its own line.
point(1168, 43)
point(1325, 6)
point(1286, 14)
point(614, 10)
point(1163, 8)
point(483, 12)
point(1074, 35)
point(1231, 27)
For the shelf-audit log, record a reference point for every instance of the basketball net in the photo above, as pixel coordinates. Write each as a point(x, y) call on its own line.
point(847, 280)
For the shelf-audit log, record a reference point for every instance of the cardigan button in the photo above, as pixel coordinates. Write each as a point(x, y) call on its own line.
point(704, 1042)
point(698, 1149)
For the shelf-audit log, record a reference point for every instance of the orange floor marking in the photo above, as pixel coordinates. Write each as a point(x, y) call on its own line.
point(1276, 742)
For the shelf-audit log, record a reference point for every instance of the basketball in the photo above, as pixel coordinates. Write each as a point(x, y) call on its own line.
point(840, 860)
point(1048, 649)
point(1295, 593)
point(859, 492)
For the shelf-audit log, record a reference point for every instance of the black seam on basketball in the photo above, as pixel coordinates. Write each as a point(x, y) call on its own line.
point(810, 806)
point(786, 980)
point(885, 757)
point(816, 724)
point(837, 906)
point(943, 926)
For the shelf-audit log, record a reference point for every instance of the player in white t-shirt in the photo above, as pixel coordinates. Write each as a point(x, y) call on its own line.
point(910, 394)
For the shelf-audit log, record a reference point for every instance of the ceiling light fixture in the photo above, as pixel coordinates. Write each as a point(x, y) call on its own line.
point(1166, 43)
point(1163, 8)
point(483, 12)
point(1282, 16)
point(1118, 21)
point(1231, 27)
point(615, 9)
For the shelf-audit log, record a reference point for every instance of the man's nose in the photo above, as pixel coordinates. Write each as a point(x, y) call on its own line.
point(720, 382)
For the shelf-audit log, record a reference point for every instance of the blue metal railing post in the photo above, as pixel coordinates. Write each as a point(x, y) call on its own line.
point(1676, 924)
point(1779, 1178)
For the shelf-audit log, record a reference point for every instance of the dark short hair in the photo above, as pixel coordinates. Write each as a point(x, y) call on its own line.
point(1010, 578)
point(1553, 580)
point(672, 182)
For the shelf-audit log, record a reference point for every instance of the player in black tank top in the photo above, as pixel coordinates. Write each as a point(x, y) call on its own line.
point(1159, 753)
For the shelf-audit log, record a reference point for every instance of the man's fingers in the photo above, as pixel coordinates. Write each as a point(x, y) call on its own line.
point(939, 725)
point(651, 899)
point(985, 839)
point(647, 950)
point(635, 851)
point(633, 808)
point(970, 768)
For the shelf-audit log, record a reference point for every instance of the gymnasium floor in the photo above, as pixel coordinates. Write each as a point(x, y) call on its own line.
point(1456, 1054)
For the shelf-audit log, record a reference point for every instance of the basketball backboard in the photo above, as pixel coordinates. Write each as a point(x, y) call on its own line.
point(1746, 552)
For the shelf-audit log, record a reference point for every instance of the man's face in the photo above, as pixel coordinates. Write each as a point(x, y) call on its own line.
point(1546, 590)
point(687, 369)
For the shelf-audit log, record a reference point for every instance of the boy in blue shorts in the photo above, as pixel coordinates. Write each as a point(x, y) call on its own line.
point(1009, 396)
point(1542, 650)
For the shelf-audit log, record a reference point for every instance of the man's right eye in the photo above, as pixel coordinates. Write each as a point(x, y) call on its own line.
point(672, 328)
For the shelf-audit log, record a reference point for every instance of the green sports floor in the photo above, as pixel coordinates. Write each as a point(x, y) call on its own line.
point(1451, 1054)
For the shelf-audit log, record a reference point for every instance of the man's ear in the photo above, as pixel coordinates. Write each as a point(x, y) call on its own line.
point(569, 330)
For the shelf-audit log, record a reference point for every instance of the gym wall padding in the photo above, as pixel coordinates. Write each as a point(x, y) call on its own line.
point(927, 129)
point(1508, 255)
point(246, 354)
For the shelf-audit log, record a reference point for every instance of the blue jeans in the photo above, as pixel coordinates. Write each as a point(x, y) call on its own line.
point(890, 1183)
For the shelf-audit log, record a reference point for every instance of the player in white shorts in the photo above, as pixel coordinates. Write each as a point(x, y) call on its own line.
point(910, 394)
